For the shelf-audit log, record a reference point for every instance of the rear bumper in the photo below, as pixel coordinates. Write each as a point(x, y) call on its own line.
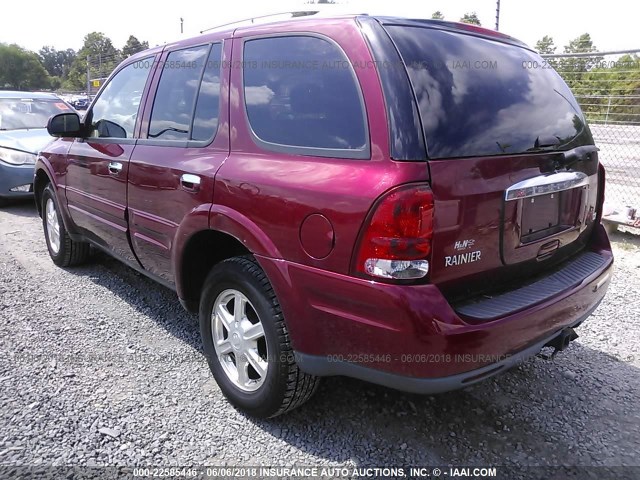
point(323, 366)
point(13, 176)
point(410, 337)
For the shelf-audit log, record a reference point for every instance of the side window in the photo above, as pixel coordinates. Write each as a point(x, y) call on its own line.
point(114, 112)
point(172, 112)
point(301, 93)
point(205, 122)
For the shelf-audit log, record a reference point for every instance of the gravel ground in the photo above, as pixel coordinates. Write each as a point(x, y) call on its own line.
point(101, 366)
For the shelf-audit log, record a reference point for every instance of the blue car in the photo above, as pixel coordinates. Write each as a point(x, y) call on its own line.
point(23, 133)
point(81, 104)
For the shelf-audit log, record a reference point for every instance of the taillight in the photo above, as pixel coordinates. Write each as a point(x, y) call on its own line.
point(601, 192)
point(396, 240)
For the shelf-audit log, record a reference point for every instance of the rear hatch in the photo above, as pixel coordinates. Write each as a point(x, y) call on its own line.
point(512, 163)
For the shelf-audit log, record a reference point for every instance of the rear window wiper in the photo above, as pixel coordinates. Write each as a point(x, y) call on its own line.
point(569, 157)
point(578, 154)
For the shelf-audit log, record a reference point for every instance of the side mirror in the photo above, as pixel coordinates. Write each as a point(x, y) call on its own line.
point(64, 125)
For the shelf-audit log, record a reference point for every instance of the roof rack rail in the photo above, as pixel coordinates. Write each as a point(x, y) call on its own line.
point(294, 14)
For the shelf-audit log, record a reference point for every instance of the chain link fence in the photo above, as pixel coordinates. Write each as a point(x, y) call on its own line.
point(607, 86)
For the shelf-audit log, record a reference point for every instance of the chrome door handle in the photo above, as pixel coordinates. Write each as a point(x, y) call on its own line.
point(190, 182)
point(115, 168)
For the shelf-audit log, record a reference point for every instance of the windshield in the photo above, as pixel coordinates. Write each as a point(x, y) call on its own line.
point(481, 97)
point(18, 113)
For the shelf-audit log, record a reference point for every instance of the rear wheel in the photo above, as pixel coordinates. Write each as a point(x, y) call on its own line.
point(247, 343)
point(64, 251)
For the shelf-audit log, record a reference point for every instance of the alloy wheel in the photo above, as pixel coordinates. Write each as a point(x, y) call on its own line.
point(53, 226)
point(239, 340)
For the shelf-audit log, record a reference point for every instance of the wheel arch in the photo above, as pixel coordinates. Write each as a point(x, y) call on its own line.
point(201, 252)
point(40, 181)
point(203, 243)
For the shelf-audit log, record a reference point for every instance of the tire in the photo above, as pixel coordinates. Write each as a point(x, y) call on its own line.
point(281, 386)
point(64, 251)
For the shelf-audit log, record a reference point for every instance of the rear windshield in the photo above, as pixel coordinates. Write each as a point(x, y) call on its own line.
point(19, 113)
point(482, 97)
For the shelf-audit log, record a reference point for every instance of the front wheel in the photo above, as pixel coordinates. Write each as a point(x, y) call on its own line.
point(246, 341)
point(64, 251)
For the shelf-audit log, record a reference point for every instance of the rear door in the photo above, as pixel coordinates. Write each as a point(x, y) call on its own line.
point(512, 161)
point(184, 141)
point(96, 180)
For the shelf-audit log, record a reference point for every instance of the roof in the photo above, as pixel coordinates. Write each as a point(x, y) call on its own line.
point(34, 95)
point(238, 29)
point(303, 18)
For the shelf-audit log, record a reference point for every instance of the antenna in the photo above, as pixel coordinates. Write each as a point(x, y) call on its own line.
point(295, 14)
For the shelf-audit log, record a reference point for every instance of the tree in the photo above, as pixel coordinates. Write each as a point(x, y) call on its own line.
point(133, 46)
point(582, 44)
point(612, 90)
point(103, 57)
point(546, 46)
point(437, 15)
point(21, 69)
point(57, 62)
point(471, 18)
point(573, 69)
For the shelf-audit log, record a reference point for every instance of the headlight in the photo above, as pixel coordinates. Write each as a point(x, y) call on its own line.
point(15, 157)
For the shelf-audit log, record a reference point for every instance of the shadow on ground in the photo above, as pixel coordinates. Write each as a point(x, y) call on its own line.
point(21, 208)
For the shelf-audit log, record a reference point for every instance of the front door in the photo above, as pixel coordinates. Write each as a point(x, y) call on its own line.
point(99, 164)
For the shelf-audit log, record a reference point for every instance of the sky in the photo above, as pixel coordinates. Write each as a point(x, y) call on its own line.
point(35, 23)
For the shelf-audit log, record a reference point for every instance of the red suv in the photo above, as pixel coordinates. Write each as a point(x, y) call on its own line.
point(414, 203)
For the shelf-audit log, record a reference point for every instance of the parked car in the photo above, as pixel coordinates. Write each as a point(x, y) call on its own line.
point(357, 196)
point(23, 121)
point(80, 103)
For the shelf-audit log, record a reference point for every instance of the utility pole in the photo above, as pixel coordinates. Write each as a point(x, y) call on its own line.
point(498, 16)
point(88, 75)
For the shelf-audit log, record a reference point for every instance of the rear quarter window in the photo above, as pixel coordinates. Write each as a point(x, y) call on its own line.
point(302, 97)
